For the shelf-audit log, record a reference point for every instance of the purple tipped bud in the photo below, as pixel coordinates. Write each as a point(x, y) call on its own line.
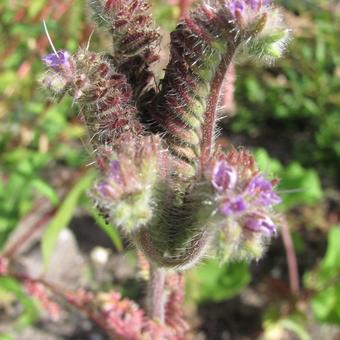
point(235, 206)
point(224, 176)
point(59, 62)
point(263, 190)
point(259, 223)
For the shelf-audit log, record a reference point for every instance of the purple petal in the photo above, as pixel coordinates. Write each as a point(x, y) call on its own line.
point(263, 190)
point(259, 223)
point(235, 206)
point(106, 190)
point(224, 176)
point(59, 61)
point(241, 5)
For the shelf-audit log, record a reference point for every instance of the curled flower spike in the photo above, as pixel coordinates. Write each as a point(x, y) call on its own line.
point(162, 180)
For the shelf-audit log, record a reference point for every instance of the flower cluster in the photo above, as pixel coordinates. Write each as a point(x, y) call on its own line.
point(245, 200)
point(126, 190)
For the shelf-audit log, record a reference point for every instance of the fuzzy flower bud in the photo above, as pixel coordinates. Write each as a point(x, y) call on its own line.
point(125, 192)
point(261, 24)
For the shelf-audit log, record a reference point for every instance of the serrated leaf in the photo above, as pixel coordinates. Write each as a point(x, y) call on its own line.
point(63, 216)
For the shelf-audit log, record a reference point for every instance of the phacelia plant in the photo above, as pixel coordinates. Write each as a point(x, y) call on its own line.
point(162, 179)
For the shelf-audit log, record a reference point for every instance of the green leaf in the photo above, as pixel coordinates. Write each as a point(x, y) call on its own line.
point(332, 257)
point(214, 282)
point(46, 190)
point(305, 181)
point(326, 305)
point(109, 230)
point(63, 215)
point(267, 164)
point(326, 282)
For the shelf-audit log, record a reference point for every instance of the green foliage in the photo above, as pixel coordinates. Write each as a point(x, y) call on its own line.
point(214, 282)
point(64, 214)
point(326, 282)
point(5, 337)
point(38, 138)
point(22, 168)
point(295, 105)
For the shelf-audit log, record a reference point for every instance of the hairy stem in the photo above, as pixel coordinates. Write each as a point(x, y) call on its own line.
point(156, 294)
point(210, 115)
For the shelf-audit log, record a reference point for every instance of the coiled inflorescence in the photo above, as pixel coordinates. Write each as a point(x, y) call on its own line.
point(163, 181)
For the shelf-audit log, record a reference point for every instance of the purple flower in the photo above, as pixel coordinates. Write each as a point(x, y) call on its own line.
point(59, 61)
point(256, 4)
point(263, 190)
point(115, 171)
point(241, 5)
point(258, 222)
point(236, 5)
point(224, 176)
point(230, 207)
point(107, 190)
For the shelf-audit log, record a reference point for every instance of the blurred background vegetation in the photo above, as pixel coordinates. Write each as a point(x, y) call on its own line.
point(289, 115)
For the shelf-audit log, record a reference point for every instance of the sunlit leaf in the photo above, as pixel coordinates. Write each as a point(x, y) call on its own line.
point(63, 215)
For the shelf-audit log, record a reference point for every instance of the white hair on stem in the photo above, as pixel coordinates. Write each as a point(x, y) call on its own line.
point(49, 39)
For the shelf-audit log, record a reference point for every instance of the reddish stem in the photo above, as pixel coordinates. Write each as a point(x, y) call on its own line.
point(211, 113)
point(156, 294)
point(184, 6)
point(291, 258)
point(10, 251)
